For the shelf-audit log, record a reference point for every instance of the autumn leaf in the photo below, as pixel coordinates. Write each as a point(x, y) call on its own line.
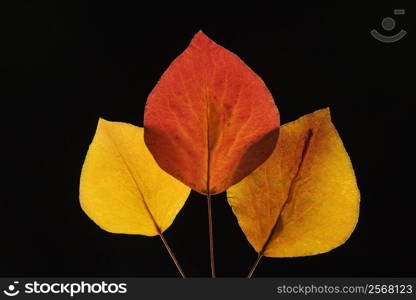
point(304, 199)
point(210, 120)
point(122, 189)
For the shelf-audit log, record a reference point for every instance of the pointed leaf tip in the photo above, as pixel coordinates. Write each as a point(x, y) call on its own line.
point(201, 40)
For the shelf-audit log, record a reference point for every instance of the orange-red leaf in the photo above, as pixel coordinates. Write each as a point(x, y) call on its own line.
point(210, 120)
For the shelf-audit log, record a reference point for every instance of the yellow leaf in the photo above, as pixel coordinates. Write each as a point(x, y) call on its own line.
point(304, 199)
point(122, 189)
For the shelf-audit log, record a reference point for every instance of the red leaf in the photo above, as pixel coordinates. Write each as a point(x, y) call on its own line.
point(210, 120)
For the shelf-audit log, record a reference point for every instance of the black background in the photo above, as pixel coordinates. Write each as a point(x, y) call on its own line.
point(66, 64)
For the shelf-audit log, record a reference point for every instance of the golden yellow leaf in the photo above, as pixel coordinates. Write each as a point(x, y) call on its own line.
point(304, 199)
point(122, 189)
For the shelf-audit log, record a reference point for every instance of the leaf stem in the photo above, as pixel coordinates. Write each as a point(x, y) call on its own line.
point(172, 255)
point(211, 236)
point(253, 268)
point(288, 199)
